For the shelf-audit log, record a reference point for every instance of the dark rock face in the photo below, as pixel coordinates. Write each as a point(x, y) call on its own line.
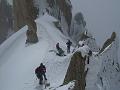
point(108, 41)
point(76, 71)
point(61, 9)
point(6, 22)
point(78, 29)
point(66, 9)
point(25, 14)
point(80, 19)
point(18, 15)
point(31, 37)
point(83, 36)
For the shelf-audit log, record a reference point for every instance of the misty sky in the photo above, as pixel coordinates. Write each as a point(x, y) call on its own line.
point(102, 16)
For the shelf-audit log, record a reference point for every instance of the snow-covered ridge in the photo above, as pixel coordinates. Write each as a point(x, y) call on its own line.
point(6, 45)
point(17, 71)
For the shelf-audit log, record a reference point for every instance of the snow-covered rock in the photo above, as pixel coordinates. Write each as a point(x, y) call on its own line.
point(109, 74)
point(91, 42)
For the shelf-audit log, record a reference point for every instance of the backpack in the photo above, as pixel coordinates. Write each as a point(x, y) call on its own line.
point(37, 72)
point(40, 70)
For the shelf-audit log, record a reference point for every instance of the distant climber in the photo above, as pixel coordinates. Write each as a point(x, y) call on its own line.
point(57, 46)
point(69, 43)
point(88, 51)
point(60, 52)
point(40, 73)
point(27, 34)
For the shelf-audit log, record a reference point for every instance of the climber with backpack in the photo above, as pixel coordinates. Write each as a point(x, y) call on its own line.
point(60, 52)
point(69, 43)
point(40, 73)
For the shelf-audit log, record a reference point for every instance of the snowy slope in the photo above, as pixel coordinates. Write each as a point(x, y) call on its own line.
point(109, 74)
point(18, 62)
point(104, 69)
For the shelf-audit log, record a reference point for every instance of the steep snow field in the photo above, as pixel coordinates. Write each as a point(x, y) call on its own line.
point(18, 62)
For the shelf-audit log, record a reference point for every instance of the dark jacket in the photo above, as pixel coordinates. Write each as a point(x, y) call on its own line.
point(69, 43)
point(40, 70)
point(57, 46)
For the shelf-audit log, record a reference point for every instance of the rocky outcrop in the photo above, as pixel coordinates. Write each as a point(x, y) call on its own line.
point(6, 22)
point(25, 14)
point(31, 37)
point(76, 71)
point(65, 6)
point(80, 19)
point(61, 9)
point(78, 28)
point(108, 41)
point(91, 43)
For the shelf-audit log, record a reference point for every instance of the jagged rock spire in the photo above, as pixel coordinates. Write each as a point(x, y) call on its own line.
point(108, 41)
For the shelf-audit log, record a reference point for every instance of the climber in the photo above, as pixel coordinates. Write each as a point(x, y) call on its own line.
point(60, 52)
point(27, 34)
point(69, 43)
point(57, 46)
point(40, 73)
point(89, 52)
